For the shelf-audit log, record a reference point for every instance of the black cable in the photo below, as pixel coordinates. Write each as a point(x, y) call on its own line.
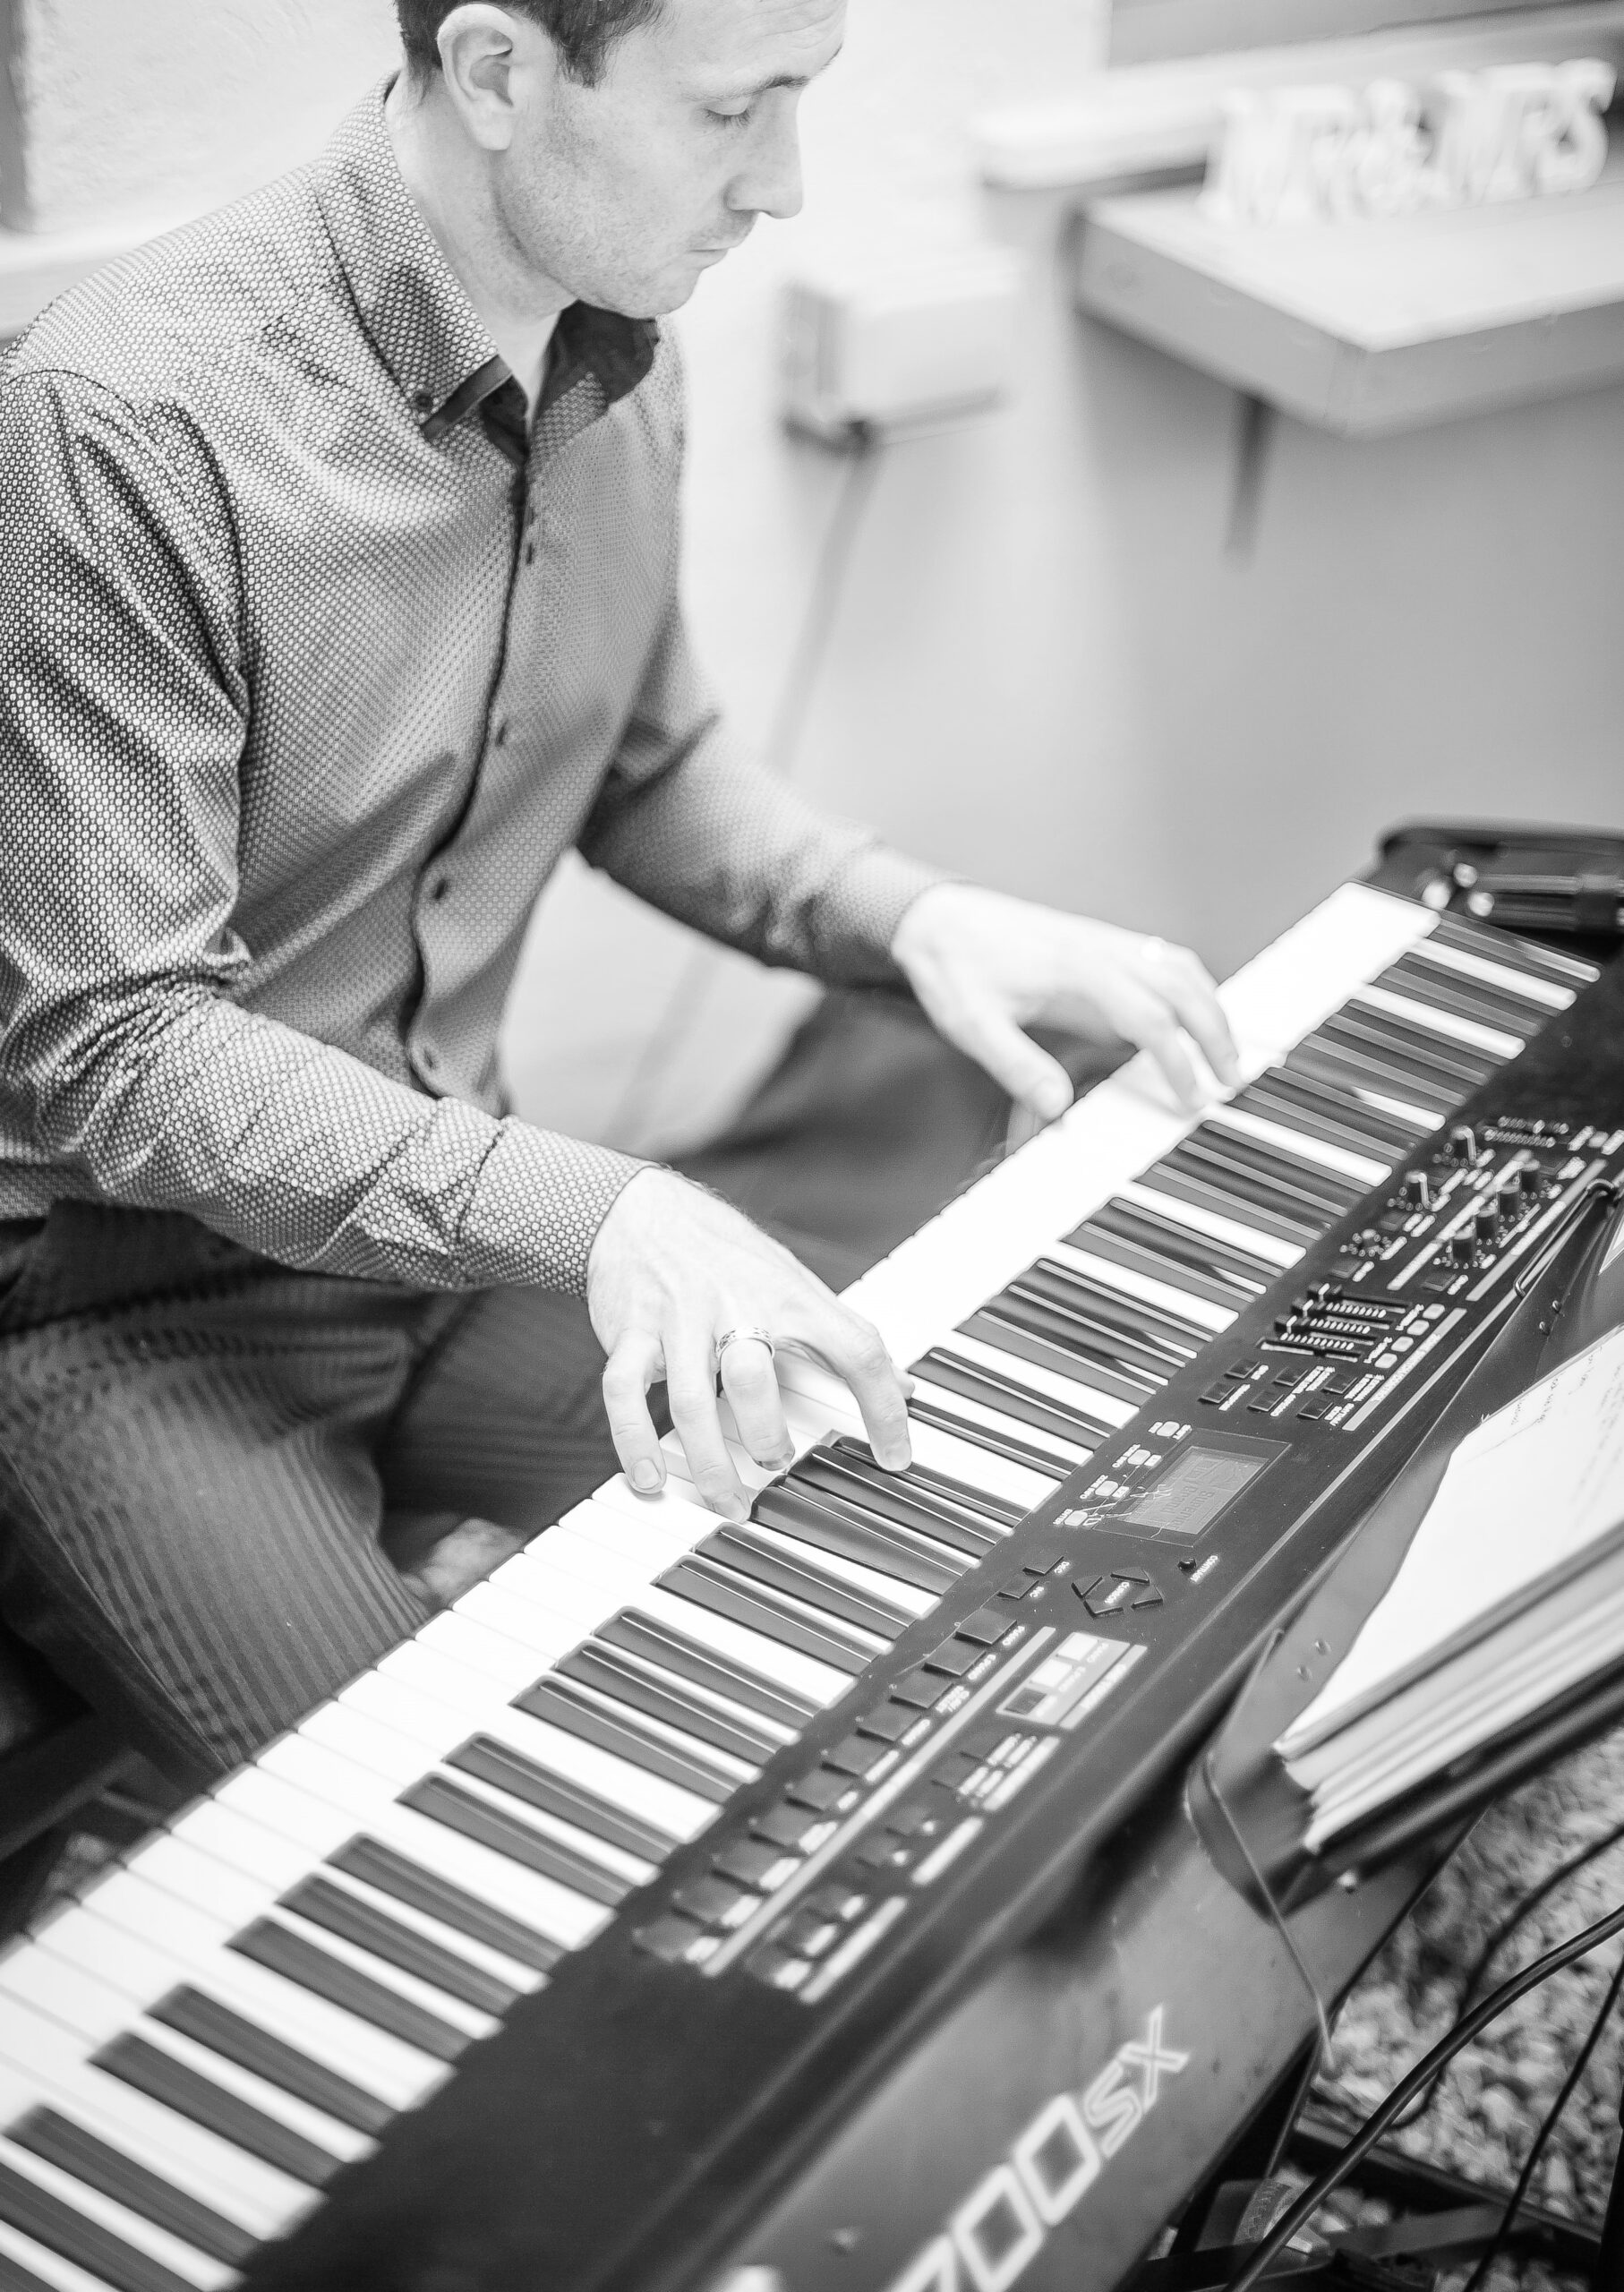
point(1313, 2196)
point(1515, 1917)
point(1548, 2125)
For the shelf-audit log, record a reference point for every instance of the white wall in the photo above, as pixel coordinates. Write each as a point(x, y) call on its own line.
point(151, 109)
point(1047, 670)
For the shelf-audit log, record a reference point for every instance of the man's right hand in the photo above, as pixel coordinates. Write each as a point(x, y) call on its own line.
point(672, 1271)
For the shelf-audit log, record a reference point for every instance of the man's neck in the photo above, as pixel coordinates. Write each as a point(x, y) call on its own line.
point(450, 186)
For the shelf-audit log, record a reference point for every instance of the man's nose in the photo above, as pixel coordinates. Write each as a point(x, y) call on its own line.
point(771, 183)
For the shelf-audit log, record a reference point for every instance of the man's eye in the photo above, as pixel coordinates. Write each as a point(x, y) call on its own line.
point(730, 118)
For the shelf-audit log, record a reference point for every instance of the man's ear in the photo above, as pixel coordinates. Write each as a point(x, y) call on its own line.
point(488, 55)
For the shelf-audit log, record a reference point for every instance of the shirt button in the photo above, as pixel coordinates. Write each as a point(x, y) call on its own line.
point(440, 885)
point(423, 400)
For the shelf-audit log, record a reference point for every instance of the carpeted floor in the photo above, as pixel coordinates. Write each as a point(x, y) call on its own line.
point(1486, 2111)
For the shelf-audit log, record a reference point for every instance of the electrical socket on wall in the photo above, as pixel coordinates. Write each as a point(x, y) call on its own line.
point(901, 342)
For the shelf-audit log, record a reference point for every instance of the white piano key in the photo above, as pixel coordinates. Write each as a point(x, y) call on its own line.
point(182, 2260)
point(472, 2021)
point(963, 1461)
point(735, 1643)
point(426, 1671)
point(545, 1636)
point(1310, 971)
point(1546, 994)
point(152, 1916)
point(1470, 1034)
point(870, 1581)
point(383, 1752)
point(259, 2199)
point(679, 1813)
point(146, 1968)
point(47, 2267)
point(494, 1654)
point(1216, 1228)
point(283, 2107)
point(547, 1907)
point(1064, 1456)
point(651, 1667)
point(1362, 1169)
point(1143, 1288)
point(614, 1861)
point(1043, 1384)
point(482, 1956)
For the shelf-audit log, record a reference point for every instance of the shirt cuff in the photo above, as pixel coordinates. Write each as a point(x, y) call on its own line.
point(536, 1209)
point(859, 912)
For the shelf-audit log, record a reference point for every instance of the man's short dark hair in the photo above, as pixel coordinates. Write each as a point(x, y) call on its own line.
point(582, 31)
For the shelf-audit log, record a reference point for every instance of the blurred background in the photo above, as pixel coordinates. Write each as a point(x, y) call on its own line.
point(1135, 641)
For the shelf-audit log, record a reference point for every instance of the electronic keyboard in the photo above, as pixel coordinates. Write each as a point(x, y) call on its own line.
point(709, 1905)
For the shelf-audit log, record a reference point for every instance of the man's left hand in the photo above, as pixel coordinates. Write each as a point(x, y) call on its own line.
point(984, 967)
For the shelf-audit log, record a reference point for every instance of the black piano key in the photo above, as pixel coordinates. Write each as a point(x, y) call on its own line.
point(724, 1593)
point(1024, 1403)
point(1525, 955)
point(1402, 1078)
point(1154, 1335)
point(562, 1706)
point(1299, 1102)
point(927, 1481)
point(1412, 1049)
point(442, 1801)
point(1070, 1345)
point(900, 1498)
point(61, 2228)
point(1017, 1339)
point(230, 2035)
point(1295, 1177)
point(46, 2132)
point(1236, 1198)
point(751, 1556)
point(1362, 1077)
point(1171, 1253)
point(339, 1911)
point(1462, 997)
point(621, 1682)
point(302, 1959)
point(829, 1527)
point(522, 1778)
point(397, 1874)
point(658, 1643)
point(137, 2062)
point(983, 1436)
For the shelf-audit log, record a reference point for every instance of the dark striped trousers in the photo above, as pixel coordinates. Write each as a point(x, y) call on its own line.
point(205, 1459)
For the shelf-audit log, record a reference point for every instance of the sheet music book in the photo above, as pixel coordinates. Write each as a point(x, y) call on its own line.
point(1511, 1592)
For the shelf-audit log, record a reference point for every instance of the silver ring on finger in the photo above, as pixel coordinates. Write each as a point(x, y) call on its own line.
point(744, 1337)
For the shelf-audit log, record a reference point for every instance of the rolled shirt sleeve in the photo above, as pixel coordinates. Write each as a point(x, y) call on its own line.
point(127, 1062)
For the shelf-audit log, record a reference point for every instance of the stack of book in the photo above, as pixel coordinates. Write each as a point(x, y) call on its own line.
point(1510, 1596)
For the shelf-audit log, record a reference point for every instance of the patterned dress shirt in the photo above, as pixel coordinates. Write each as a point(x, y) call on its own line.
point(314, 660)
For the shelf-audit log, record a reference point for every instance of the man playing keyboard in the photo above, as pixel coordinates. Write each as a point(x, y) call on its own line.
point(337, 599)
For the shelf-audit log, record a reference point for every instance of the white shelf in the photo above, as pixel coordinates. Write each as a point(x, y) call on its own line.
point(1372, 327)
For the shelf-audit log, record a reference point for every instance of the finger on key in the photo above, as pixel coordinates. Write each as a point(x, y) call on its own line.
point(855, 1350)
point(1161, 1038)
point(690, 1388)
point(750, 1385)
point(633, 1367)
point(1193, 995)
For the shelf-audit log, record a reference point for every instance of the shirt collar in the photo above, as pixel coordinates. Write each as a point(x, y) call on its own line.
point(412, 304)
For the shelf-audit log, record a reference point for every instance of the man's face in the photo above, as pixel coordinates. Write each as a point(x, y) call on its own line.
point(623, 193)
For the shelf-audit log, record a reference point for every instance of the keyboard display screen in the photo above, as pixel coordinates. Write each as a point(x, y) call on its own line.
point(1194, 1491)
